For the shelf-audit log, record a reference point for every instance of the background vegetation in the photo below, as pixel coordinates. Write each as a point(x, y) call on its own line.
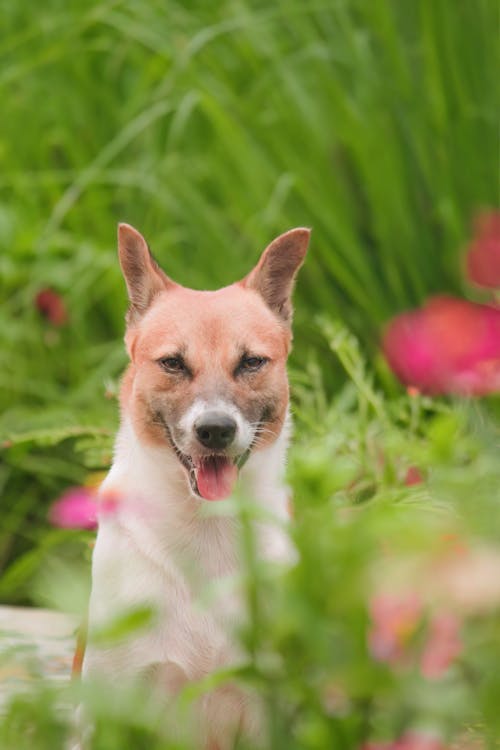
point(213, 127)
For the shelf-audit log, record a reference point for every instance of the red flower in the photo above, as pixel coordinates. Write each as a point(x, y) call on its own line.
point(483, 258)
point(448, 346)
point(442, 647)
point(413, 476)
point(51, 305)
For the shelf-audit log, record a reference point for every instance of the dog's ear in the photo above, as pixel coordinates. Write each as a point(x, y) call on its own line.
point(274, 275)
point(143, 276)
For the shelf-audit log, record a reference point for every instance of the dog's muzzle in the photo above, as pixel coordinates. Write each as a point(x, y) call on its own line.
point(212, 467)
point(215, 430)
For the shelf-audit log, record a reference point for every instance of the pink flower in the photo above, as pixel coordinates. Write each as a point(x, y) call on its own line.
point(411, 740)
point(79, 507)
point(414, 740)
point(51, 305)
point(483, 258)
point(76, 509)
point(394, 621)
point(448, 346)
point(442, 647)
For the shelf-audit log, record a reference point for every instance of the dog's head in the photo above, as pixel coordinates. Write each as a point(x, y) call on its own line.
point(208, 369)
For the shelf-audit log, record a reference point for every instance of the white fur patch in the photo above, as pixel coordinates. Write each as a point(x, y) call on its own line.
point(245, 432)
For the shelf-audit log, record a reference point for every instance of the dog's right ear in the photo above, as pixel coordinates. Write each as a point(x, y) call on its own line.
point(143, 276)
point(274, 275)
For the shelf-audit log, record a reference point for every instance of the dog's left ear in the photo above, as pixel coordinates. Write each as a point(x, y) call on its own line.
point(274, 275)
point(143, 276)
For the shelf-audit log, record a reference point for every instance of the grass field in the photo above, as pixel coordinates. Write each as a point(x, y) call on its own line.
point(213, 128)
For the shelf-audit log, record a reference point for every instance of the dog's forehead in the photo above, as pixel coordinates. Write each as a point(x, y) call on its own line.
point(229, 319)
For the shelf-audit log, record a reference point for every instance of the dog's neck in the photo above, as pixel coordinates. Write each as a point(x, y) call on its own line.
point(157, 507)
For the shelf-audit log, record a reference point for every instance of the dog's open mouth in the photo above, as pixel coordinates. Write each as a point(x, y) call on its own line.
point(212, 477)
point(215, 477)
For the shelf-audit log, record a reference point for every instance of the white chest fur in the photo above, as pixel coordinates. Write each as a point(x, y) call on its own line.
point(161, 550)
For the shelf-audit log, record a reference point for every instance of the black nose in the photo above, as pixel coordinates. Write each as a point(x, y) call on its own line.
point(215, 430)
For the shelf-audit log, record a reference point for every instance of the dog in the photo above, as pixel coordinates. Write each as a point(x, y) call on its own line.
point(204, 410)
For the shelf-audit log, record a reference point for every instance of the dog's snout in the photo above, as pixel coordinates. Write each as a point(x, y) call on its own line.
point(215, 430)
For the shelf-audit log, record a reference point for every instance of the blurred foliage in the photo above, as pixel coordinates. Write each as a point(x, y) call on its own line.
point(360, 530)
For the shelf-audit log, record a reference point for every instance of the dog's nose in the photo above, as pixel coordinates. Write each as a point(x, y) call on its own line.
point(215, 430)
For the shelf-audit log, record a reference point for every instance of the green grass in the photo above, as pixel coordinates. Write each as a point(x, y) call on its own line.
point(360, 530)
point(213, 127)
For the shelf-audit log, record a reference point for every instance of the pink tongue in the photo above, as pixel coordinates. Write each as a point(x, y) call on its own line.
point(216, 478)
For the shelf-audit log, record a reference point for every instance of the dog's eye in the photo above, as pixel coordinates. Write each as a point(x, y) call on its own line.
point(251, 364)
point(172, 364)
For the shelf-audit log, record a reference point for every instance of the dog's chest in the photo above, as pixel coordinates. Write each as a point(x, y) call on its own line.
point(210, 606)
point(192, 581)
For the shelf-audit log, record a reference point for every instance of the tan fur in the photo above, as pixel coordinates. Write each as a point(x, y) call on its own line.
point(212, 330)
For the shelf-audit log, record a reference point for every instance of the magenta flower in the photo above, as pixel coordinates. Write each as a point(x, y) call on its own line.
point(442, 647)
point(79, 508)
point(51, 305)
point(395, 619)
point(448, 346)
point(482, 261)
point(75, 509)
